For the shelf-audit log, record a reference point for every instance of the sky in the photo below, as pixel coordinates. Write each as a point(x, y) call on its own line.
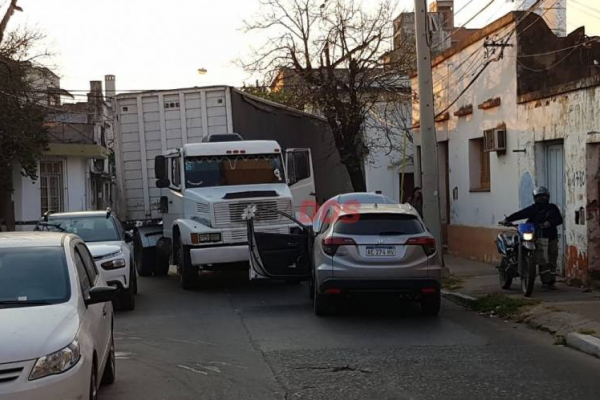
point(160, 44)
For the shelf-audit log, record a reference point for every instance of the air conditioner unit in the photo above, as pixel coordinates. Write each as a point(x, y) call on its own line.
point(494, 140)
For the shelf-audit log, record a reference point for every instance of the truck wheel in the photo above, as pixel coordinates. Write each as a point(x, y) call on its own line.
point(163, 253)
point(143, 264)
point(162, 269)
point(188, 273)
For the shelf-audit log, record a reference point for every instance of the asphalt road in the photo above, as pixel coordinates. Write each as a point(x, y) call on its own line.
point(240, 340)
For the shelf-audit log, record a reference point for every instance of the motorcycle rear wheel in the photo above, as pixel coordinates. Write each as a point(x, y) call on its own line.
point(504, 275)
point(528, 276)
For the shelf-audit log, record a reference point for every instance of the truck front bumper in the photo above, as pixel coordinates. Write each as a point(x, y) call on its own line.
point(219, 254)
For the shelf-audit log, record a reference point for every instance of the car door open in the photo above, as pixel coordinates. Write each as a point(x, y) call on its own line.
point(280, 256)
point(301, 179)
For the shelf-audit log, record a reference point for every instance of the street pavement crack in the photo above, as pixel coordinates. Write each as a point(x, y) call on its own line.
point(345, 368)
point(256, 347)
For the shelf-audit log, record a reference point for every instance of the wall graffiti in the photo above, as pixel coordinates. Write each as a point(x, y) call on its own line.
point(578, 178)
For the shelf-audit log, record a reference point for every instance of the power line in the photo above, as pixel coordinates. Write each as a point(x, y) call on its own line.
point(585, 6)
point(465, 24)
point(551, 66)
point(560, 50)
point(508, 36)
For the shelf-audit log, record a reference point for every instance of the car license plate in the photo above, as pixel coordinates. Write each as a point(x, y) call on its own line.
point(381, 251)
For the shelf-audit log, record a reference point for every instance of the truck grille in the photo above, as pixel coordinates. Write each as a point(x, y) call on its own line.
point(227, 214)
point(202, 208)
point(241, 235)
point(9, 373)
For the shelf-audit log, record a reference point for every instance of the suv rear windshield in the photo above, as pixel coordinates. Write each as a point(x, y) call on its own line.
point(90, 229)
point(233, 170)
point(378, 224)
point(32, 276)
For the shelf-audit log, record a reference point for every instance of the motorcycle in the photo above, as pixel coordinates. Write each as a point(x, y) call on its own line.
point(520, 252)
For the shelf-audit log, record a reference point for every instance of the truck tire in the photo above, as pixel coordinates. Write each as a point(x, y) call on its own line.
point(163, 253)
point(188, 273)
point(143, 263)
point(162, 268)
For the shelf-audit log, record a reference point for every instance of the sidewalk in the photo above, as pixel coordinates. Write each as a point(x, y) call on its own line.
point(568, 312)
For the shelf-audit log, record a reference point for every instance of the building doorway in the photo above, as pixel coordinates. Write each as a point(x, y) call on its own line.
point(555, 182)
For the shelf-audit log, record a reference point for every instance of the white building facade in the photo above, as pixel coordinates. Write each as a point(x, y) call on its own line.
point(516, 111)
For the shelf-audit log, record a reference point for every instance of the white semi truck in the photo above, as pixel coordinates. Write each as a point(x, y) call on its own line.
point(186, 196)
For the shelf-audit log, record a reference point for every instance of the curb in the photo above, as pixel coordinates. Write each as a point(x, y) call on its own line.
point(584, 343)
point(458, 297)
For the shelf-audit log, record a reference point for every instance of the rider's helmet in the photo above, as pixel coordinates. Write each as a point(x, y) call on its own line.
point(541, 194)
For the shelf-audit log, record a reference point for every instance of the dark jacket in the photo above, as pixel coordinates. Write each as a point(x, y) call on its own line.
point(538, 214)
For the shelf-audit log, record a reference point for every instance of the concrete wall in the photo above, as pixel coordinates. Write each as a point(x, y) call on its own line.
point(572, 118)
point(476, 214)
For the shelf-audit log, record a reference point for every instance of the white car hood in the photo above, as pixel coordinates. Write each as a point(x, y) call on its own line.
point(217, 193)
point(103, 250)
point(99, 249)
point(27, 333)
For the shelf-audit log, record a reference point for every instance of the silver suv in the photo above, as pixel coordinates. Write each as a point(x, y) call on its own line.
point(358, 248)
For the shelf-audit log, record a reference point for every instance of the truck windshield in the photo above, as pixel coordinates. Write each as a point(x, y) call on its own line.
point(231, 170)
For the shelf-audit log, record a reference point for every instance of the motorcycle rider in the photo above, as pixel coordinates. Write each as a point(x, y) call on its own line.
point(546, 214)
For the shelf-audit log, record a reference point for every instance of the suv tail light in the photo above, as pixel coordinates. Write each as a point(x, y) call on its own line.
point(331, 244)
point(427, 243)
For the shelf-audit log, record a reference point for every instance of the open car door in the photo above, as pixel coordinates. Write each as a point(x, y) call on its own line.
point(301, 178)
point(278, 255)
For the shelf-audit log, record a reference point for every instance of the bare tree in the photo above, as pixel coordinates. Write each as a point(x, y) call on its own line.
point(332, 54)
point(12, 7)
point(23, 135)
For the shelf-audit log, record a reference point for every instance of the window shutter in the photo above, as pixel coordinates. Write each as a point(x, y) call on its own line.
point(485, 171)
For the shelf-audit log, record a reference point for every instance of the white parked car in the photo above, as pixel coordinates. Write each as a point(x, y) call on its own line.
point(109, 244)
point(56, 334)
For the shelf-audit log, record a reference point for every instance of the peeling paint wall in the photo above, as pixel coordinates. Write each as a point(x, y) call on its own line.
point(477, 212)
point(571, 118)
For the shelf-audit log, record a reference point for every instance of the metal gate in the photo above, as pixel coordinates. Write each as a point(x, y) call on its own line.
point(555, 181)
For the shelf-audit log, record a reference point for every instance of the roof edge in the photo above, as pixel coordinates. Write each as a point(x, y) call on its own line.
point(482, 33)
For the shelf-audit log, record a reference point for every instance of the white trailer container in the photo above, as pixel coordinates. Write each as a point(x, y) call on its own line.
point(150, 123)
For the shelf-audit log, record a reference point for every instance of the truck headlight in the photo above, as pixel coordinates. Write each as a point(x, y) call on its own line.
point(528, 236)
point(205, 237)
point(56, 363)
point(114, 264)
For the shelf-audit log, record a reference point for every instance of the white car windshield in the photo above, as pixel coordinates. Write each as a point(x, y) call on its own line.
point(33, 276)
point(90, 229)
point(233, 170)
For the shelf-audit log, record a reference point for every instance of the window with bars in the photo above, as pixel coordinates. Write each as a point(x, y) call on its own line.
point(51, 184)
point(479, 166)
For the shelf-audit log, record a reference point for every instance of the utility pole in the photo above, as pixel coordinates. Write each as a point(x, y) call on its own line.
point(429, 154)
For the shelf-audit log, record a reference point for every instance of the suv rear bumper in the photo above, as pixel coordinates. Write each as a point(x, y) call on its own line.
point(395, 286)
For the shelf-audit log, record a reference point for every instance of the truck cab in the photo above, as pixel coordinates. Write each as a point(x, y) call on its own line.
point(207, 190)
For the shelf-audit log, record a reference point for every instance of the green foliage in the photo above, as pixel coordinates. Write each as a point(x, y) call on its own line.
point(23, 136)
point(285, 97)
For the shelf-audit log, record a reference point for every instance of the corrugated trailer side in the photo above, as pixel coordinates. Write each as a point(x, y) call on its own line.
point(150, 123)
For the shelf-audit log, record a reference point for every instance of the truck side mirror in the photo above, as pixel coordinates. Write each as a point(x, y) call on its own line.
point(160, 170)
